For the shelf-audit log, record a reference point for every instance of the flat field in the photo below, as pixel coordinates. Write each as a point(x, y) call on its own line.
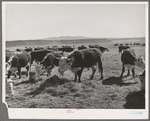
point(62, 92)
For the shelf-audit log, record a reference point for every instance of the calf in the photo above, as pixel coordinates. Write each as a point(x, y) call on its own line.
point(129, 60)
point(50, 60)
point(17, 62)
point(79, 59)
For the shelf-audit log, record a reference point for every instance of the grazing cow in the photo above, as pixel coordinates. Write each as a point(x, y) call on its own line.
point(142, 80)
point(123, 47)
point(116, 44)
point(79, 59)
point(39, 55)
point(129, 60)
point(17, 62)
point(66, 49)
point(50, 60)
point(82, 47)
point(28, 49)
point(102, 49)
point(19, 50)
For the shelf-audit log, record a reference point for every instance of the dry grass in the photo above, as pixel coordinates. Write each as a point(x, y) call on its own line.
point(57, 92)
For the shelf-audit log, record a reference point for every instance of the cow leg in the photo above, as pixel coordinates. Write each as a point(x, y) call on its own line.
point(19, 72)
point(133, 71)
point(49, 72)
point(128, 71)
point(93, 72)
point(75, 78)
point(28, 68)
point(9, 74)
point(79, 74)
point(15, 74)
point(123, 69)
point(101, 69)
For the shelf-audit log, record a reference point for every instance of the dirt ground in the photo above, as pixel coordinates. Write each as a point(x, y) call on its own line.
point(58, 92)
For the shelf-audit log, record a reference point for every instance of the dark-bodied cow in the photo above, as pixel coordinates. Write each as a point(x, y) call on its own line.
point(28, 49)
point(123, 47)
point(130, 60)
point(50, 60)
point(17, 62)
point(116, 44)
point(39, 55)
point(79, 59)
point(102, 49)
point(82, 47)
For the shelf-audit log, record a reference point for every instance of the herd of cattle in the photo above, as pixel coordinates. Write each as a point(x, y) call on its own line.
point(131, 44)
point(76, 61)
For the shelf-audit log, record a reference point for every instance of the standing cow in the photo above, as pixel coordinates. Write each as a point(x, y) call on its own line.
point(79, 59)
point(130, 60)
point(50, 60)
point(17, 62)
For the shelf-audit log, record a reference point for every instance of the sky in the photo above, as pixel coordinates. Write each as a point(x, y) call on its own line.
point(36, 21)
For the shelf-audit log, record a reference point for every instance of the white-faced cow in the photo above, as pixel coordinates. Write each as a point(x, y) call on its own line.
point(123, 47)
point(130, 60)
point(79, 59)
point(17, 62)
point(50, 60)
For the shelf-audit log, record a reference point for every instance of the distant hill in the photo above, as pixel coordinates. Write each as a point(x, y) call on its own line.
point(55, 40)
point(65, 40)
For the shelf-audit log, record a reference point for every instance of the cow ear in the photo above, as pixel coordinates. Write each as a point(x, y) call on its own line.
point(68, 60)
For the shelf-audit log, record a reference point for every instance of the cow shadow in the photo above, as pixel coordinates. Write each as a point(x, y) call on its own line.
point(117, 81)
point(135, 100)
point(53, 81)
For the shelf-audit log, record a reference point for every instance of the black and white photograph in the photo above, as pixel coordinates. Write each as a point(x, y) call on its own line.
point(75, 60)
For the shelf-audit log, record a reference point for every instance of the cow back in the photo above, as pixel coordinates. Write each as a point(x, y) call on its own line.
point(39, 55)
point(85, 57)
point(128, 57)
point(21, 59)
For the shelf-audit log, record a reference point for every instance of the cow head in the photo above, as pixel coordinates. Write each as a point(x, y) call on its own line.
point(140, 62)
point(46, 62)
point(106, 49)
point(12, 64)
point(65, 64)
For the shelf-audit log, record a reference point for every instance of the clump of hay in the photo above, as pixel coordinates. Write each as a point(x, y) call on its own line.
point(59, 91)
point(34, 78)
point(89, 84)
point(73, 87)
point(50, 82)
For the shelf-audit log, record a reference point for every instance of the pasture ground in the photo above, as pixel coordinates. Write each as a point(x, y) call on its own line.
point(57, 92)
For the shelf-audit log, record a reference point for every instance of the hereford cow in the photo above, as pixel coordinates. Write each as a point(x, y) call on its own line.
point(39, 55)
point(123, 47)
point(129, 60)
point(50, 60)
point(17, 62)
point(79, 59)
